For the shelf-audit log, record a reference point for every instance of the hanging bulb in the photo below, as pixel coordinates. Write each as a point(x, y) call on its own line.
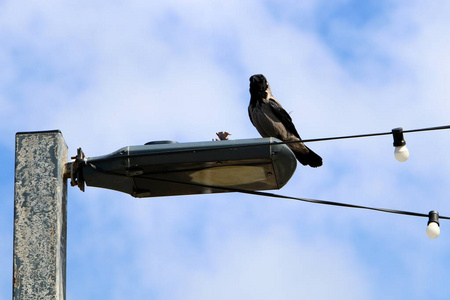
point(433, 229)
point(401, 153)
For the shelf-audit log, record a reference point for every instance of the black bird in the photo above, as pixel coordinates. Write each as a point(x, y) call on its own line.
point(271, 120)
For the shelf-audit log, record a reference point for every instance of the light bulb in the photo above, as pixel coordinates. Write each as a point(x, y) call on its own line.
point(433, 230)
point(401, 153)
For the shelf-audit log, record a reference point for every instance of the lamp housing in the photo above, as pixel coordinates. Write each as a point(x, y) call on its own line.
point(166, 169)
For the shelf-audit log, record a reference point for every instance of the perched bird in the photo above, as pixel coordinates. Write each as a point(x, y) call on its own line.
point(271, 120)
point(222, 135)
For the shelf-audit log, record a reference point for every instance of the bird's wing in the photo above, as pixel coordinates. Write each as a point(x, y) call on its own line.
point(283, 116)
point(250, 115)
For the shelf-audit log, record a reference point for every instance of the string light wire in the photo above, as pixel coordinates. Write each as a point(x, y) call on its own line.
point(224, 147)
point(272, 195)
point(373, 134)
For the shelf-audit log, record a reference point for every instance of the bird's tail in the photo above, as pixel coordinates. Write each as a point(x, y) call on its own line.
point(310, 158)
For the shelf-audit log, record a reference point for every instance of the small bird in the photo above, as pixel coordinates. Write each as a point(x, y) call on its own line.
point(271, 120)
point(222, 135)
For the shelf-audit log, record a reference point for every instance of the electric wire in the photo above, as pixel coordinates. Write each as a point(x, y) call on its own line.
point(373, 134)
point(271, 195)
point(229, 143)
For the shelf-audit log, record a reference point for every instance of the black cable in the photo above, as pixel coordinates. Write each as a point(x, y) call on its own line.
point(369, 134)
point(337, 137)
point(266, 194)
point(224, 147)
point(428, 129)
point(283, 142)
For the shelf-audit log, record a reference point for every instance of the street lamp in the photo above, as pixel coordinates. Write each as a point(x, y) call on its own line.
point(168, 168)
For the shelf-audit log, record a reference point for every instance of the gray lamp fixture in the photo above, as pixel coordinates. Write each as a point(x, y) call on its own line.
point(168, 168)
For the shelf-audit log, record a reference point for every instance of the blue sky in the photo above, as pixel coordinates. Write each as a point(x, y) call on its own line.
point(112, 74)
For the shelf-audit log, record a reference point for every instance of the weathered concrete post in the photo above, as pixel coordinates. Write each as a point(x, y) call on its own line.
point(40, 216)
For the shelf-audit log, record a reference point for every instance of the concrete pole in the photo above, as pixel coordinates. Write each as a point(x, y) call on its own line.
point(40, 216)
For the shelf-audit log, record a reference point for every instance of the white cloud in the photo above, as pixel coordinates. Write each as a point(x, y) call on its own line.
point(114, 74)
point(276, 265)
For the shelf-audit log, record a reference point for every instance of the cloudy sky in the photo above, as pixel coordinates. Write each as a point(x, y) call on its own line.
point(114, 73)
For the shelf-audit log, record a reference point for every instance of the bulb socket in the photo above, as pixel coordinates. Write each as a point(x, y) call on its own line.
point(433, 216)
point(399, 140)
